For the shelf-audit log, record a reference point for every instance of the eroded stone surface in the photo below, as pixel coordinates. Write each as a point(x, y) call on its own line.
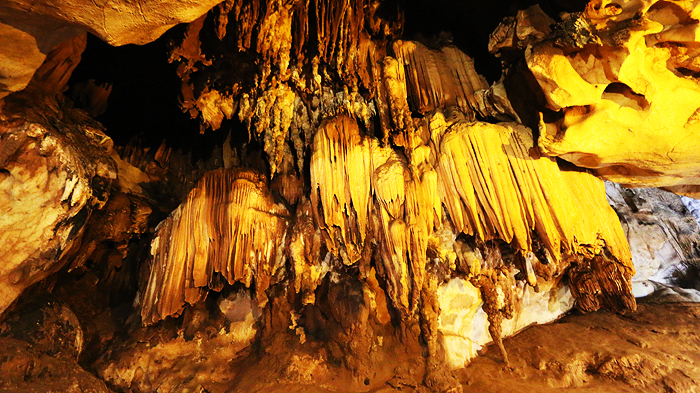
point(196, 356)
point(54, 171)
point(582, 353)
point(662, 233)
point(229, 229)
point(30, 30)
point(626, 68)
point(27, 370)
point(464, 324)
point(456, 231)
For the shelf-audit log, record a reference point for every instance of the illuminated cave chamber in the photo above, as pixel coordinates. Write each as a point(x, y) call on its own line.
point(332, 187)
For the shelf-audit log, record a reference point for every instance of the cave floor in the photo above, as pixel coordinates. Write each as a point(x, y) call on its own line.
point(655, 349)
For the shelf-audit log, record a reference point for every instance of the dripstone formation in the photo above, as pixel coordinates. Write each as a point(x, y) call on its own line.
point(375, 197)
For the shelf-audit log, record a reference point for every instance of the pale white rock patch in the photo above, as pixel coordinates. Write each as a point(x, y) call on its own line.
point(463, 324)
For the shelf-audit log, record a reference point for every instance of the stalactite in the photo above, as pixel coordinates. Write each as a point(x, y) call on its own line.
point(272, 118)
point(274, 41)
point(229, 228)
point(393, 172)
point(480, 197)
point(403, 202)
point(304, 251)
point(338, 32)
point(475, 194)
point(340, 185)
point(438, 79)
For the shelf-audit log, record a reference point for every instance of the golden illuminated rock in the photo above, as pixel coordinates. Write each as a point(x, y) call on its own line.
point(228, 229)
point(621, 77)
point(115, 21)
point(491, 185)
point(53, 176)
point(495, 186)
point(341, 170)
point(29, 30)
point(25, 49)
point(374, 195)
point(304, 251)
point(437, 79)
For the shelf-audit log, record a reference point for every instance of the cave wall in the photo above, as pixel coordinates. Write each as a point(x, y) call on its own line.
point(366, 179)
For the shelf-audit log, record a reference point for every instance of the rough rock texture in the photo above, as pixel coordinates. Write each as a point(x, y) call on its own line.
point(693, 206)
point(662, 233)
point(375, 201)
point(464, 325)
point(402, 180)
point(229, 228)
point(197, 355)
point(654, 349)
point(648, 351)
point(25, 369)
point(49, 325)
point(626, 67)
point(54, 172)
point(30, 30)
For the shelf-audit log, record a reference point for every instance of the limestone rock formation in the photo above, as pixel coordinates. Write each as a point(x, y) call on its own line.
point(375, 200)
point(661, 231)
point(55, 172)
point(464, 326)
point(30, 30)
point(626, 67)
point(229, 228)
point(26, 369)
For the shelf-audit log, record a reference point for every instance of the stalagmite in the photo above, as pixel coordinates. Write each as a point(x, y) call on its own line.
point(229, 228)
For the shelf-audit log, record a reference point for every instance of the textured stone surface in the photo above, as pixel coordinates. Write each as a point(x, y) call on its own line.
point(648, 351)
point(196, 357)
point(49, 325)
point(627, 69)
point(29, 30)
point(53, 174)
point(662, 233)
point(464, 324)
point(25, 369)
point(376, 209)
point(229, 228)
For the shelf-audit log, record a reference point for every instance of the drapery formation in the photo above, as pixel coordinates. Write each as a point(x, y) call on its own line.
point(360, 162)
